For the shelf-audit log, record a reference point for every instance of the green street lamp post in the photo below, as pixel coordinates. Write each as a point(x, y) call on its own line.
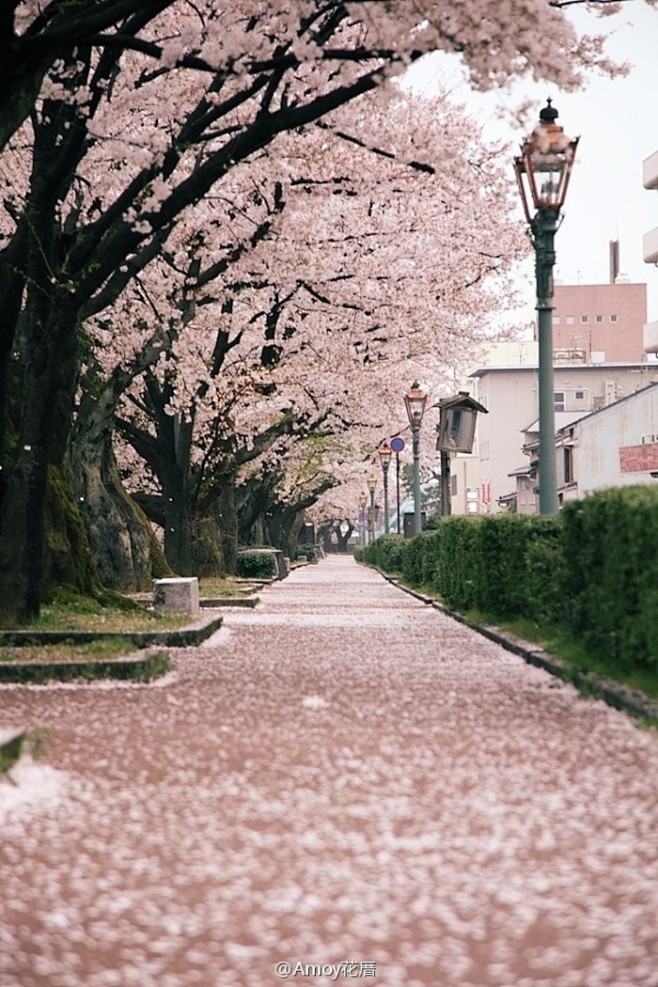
point(362, 517)
point(415, 401)
point(543, 170)
point(372, 484)
point(385, 453)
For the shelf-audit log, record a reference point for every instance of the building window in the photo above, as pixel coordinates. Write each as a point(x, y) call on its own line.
point(570, 319)
point(599, 318)
point(584, 318)
point(613, 318)
point(580, 395)
point(556, 320)
point(568, 464)
point(559, 401)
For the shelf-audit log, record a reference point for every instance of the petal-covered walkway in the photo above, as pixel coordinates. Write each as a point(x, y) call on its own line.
point(342, 786)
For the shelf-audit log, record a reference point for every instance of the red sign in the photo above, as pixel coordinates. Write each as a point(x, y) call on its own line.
point(486, 490)
point(639, 459)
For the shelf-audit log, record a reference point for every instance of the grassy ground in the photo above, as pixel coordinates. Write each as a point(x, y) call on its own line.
point(117, 614)
point(104, 649)
point(105, 619)
point(212, 587)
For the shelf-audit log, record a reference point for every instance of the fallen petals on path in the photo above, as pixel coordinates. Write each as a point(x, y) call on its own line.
point(341, 774)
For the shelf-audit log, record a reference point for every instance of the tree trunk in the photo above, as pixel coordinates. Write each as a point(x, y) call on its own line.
point(283, 529)
point(225, 514)
point(207, 548)
point(68, 557)
point(343, 539)
point(127, 553)
point(50, 359)
point(178, 520)
point(49, 354)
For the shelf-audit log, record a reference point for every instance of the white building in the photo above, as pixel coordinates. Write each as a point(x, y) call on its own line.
point(509, 391)
point(614, 447)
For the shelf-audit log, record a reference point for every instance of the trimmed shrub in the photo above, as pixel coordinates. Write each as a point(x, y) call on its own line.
point(256, 565)
point(458, 561)
point(419, 558)
point(611, 544)
point(545, 570)
point(506, 565)
point(386, 552)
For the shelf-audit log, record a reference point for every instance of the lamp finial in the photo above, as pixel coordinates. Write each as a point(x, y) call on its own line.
point(548, 114)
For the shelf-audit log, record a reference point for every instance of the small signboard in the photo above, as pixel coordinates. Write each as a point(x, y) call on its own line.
point(639, 459)
point(397, 444)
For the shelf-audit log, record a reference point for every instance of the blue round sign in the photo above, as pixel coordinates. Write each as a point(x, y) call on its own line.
point(397, 444)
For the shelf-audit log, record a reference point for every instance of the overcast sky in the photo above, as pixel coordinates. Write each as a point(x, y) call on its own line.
point(617, 122)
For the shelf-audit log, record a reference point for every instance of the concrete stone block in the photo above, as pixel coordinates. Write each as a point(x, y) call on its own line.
point(180, 594)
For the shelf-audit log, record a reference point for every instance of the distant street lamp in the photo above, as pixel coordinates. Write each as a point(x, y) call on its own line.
point(385, 453)
point(372, 484)
point(415, 401)
point(362, 517)
point(543, 170)
point(457, 420)
point(397, 445)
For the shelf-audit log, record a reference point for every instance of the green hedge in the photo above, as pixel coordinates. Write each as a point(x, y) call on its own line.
point(611, 541)
point(385, 552)
point(307, 551)
point(256, 565)
point(419, 558)
point(507, 565)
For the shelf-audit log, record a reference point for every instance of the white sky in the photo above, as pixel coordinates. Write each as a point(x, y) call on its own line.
point(617, 122)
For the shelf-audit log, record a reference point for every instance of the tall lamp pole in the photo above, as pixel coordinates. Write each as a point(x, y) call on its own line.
point(385, 453)
point(372, 483)
point(543, 170)
point(415, 400)
point(397, 488)
point(362, 517)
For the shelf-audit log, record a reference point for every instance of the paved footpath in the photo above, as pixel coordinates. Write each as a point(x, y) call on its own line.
point(342, 786)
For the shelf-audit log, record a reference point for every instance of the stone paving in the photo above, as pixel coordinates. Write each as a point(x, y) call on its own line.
point(341, 786)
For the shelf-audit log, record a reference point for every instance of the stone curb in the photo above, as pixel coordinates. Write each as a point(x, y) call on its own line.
point(135, 667)
point(613, 693)
point(229, 601)
point(181, 637)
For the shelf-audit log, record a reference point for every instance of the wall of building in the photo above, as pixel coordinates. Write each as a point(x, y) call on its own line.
point(511, 397)
point(600, 322)
point(617, 446)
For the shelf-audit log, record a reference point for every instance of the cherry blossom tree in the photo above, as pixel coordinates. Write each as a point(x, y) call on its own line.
point(128, 114)
point(337, 291)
